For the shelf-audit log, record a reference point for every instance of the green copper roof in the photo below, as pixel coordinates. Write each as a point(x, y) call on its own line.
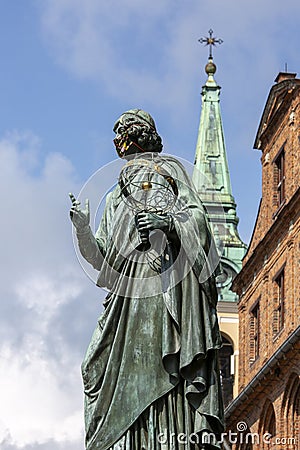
point(212, 180)
point(211, 167)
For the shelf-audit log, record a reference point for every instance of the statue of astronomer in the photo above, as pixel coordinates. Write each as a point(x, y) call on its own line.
point(151, 376)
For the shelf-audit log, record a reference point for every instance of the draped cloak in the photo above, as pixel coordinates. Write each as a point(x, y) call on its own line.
point(151, 367)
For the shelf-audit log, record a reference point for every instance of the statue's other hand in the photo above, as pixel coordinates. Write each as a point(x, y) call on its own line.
point(79, 217)
point(151, 221)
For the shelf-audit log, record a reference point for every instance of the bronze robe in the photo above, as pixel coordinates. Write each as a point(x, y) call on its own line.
point(151, 368)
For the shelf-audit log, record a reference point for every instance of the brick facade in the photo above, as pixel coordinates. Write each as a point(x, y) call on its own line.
point(268, 285)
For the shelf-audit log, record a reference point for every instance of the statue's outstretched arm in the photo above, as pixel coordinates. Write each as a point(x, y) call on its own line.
point(88, 245)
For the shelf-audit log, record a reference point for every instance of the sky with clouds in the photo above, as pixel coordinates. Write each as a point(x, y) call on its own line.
point(68, 69)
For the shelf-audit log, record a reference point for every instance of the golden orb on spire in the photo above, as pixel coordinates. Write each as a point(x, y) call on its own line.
point(210, 67)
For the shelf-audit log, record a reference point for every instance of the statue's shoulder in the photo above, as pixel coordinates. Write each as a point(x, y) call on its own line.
point(171, 159)
point(176, 167)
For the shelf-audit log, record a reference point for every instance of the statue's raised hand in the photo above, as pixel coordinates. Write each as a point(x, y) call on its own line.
point(80, 217)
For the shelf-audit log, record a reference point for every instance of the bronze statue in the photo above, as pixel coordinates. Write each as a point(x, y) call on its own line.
point(151, 377)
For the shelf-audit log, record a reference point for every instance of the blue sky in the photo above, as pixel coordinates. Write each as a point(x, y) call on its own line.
point(68, 69)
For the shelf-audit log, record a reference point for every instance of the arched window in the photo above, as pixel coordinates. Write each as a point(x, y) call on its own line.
point(267, 424)
point(226, 369)
point(290, 412)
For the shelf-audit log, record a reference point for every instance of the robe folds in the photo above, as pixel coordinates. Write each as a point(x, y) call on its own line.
point(151, 377)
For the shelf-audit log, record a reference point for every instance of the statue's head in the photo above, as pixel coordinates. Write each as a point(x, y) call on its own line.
point(136, 133)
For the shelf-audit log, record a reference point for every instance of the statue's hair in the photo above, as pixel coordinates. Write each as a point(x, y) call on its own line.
point(142, 133)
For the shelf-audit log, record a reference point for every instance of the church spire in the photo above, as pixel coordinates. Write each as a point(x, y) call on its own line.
point(212, 179)
point(211, 166)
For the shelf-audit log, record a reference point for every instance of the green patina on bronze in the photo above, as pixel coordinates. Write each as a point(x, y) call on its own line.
point(151, 368)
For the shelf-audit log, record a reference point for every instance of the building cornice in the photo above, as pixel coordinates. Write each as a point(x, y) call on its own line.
point(227, 307)
point(263, 372)
point(283, 90)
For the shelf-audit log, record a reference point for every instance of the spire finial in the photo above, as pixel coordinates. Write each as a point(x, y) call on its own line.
point(211, 41)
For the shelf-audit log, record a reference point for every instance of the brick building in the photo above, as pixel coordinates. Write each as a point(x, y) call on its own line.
point(268, 287)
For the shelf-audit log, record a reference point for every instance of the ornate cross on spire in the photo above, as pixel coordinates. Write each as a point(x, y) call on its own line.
point(211, 41)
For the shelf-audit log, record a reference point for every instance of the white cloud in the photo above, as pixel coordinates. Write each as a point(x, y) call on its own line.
point(46, 310)
point(36, 407)
point(44, 296)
